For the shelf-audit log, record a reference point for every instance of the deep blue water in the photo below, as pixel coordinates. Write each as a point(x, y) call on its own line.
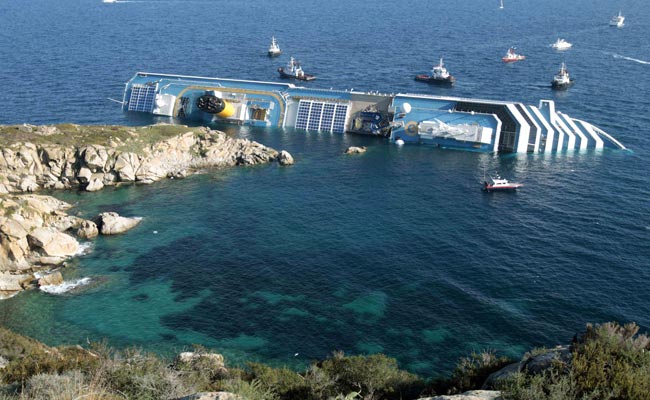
point(395, 251)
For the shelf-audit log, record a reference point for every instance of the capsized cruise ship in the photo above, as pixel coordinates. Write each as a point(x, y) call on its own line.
point(448, 122)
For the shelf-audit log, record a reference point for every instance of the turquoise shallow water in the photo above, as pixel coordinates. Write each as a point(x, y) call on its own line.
point(394, 251)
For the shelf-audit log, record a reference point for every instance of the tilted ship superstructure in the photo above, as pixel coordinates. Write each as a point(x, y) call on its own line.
point(449, 122)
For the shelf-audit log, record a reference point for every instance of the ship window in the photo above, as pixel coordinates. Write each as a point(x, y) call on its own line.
point(316, 115)
point(142, 97)
point(258, 114)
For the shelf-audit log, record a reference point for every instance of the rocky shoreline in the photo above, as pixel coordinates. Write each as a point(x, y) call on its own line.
point(37, 234)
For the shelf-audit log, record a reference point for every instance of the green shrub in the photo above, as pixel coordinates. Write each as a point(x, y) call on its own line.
point(609, 361)
point(470, 372)
point(373, 377)
point(141, 376)
point(253, 390)
point(55, 361)
point(282, 381)
point(611, 358)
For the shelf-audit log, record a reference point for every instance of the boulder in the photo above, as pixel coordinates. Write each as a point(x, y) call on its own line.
point(84, 175)
point(52, 279)
point(11, 284)
point(87, 230)
point(51, 242)
point(469, 395)
point(95, 183)
point(111, 223)
point(28, 184)
point(285, 158)
point(355, 150)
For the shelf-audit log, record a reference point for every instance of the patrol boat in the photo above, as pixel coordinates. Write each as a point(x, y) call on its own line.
point(439, 75)
point(443, 121)
point(498, 184)
point(512, 56)
point(561, 44)
point(294, 71)
point(562, 80)
point(274, 49)
point(617, 20)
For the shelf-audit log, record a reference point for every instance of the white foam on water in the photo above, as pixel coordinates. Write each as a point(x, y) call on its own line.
point(631, 59)
point(65, 286)
point(85, 248)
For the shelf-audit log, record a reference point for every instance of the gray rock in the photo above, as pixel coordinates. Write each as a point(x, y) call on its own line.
point(52, 279)
point(111, 223)
point(95, 183)
point(28, 184)
point(87, 230)
point(52, 242)
point(469, 395)
point(285, 158)
point(84, 175)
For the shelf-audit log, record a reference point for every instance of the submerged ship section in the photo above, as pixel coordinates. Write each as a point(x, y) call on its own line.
point(448, 122)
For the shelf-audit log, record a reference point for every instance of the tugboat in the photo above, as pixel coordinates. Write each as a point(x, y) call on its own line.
point(617, 20)
point(294, 71)
point(561, 44)
point(439, 76)
point(562, 80)
point(498, 184)
point(274, 49)
point(511, 56)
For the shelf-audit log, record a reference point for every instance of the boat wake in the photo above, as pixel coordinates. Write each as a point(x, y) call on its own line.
point(636, 60)
point(65, 286)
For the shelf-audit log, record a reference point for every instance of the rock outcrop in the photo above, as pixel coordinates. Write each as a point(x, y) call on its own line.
point(469, 395)
point(146, 155)
point(110, 223)
point(35, 235)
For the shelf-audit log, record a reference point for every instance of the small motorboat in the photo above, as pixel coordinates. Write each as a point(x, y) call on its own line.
point(294, 71)
point(498, 184)
point(617, 20)
point(561, 44)
point(439, 76)
point(109, 1)
point(512, 56)
point(562, 80)
point(274, 49)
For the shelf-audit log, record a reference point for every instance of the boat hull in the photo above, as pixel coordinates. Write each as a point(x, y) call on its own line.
point(305, 77)
point(511, 60)
point(561, 86)
point(450, 81)
point(501, 188)
point(274, 53)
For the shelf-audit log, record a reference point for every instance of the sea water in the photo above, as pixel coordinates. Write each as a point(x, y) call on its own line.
point(394, 251)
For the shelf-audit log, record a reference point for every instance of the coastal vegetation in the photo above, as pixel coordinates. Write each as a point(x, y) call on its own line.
point(607, 361)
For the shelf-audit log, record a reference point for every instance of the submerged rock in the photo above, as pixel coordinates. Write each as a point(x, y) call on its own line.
point(355, 150)
point(285, 158)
